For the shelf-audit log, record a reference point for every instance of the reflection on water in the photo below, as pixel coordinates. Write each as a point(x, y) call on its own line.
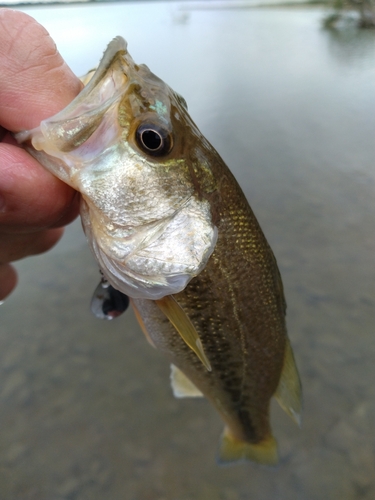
point(351, 47)
point(86, 411)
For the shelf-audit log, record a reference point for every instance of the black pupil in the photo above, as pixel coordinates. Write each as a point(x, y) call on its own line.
point(151, 139)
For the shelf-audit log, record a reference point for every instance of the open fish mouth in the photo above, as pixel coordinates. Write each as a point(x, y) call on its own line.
point(88, 125)
point(114, 144)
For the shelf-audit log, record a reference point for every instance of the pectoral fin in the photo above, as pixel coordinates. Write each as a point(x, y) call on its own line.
point(233, 450)
point(184, 326)
point(182, 386)
point(289, 392)
point(142, 324)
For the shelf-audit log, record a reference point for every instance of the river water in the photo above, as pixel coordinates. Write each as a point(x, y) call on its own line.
point(86, 411)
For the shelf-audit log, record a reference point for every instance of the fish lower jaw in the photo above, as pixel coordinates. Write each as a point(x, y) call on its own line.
point(139, 286)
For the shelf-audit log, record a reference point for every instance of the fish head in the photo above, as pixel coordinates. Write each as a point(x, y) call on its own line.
point(128, 145)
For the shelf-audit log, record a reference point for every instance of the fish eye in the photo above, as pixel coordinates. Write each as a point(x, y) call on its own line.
point(153, 139)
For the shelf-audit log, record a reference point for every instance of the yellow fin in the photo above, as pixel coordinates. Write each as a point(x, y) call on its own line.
point(234, 450)
point(182, 386)
point(289, 392)
point(184, 326)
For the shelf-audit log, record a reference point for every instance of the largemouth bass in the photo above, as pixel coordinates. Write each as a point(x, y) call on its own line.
point(171, 228)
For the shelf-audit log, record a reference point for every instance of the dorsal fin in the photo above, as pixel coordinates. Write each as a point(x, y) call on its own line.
point(184, 326)
point(289, 392)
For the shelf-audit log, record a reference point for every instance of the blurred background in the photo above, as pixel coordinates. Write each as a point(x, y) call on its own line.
point(286, 94)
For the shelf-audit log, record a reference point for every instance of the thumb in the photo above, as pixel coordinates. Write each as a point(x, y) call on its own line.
point(35, 82)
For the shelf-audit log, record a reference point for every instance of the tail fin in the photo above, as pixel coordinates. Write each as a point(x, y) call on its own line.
point(233, 450)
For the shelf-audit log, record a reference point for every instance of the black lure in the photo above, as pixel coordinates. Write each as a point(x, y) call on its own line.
point(107, 302)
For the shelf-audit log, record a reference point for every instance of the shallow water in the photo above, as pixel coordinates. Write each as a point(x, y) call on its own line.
point(86, 411)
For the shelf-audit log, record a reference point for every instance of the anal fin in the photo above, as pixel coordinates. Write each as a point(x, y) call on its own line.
point(289, 391)
point(182, 386)
point(233, 450)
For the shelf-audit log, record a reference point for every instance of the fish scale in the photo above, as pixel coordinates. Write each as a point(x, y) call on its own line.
point(171, 229)
point(231, 301)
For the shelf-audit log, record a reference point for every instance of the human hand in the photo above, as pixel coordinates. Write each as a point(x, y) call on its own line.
point(35, 83)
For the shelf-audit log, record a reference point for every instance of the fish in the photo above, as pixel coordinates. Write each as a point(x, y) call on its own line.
point(172, 230)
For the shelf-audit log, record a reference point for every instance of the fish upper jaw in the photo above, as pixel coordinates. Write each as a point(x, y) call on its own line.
point(68, 141)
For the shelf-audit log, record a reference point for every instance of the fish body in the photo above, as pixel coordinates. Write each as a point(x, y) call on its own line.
point(171, 228)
